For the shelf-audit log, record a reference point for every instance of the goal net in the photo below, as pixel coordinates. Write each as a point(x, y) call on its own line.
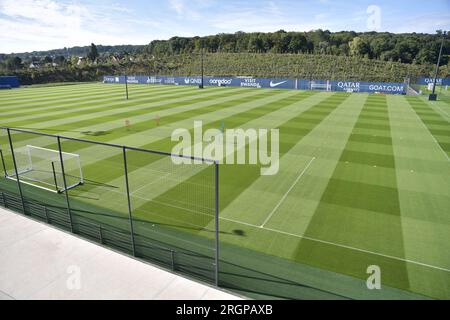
point(321, 86)
point(42, 168)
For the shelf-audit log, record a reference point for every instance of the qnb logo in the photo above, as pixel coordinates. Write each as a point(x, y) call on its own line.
point(220, 82)
point(374, 19)
point(231, 146)
point(192, 81)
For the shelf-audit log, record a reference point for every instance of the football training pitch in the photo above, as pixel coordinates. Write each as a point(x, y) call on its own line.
point(364, 181)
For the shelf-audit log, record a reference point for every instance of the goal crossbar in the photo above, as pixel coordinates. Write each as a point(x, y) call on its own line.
point(41, 168)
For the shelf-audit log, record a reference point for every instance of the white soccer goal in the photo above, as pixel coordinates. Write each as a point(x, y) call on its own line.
point(321, 86)
point(41, 168)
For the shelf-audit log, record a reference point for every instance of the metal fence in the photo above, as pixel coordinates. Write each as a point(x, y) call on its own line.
point(133, 200)
point(139, 202)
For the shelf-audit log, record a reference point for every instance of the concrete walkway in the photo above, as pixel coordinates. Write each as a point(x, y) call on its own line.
point(40, 262)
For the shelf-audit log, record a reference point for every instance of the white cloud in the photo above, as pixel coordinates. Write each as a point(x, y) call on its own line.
point(267, 18)
point(177, 5)
point(190, 10)
point(44, 12)
point(49, 24)
point(424, 23)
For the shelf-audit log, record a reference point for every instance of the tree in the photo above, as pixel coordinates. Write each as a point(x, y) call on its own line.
point(323, 46)
point(13, 63)
point(359, 47)
point(60, 60)
point(93, 53)
point(297, 44)
point(380, 44)
point(319, 36)
point(255, 43)
point(406, 50)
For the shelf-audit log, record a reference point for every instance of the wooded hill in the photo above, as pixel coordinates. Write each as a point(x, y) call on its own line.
point(317, 54)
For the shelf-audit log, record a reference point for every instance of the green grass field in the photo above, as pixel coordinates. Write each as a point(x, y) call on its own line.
point(442, 91)
point(364, 180)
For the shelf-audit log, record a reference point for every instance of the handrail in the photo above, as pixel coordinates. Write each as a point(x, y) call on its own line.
point(162, 153)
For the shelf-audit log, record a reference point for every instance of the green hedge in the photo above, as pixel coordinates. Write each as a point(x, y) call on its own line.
point(303, 66)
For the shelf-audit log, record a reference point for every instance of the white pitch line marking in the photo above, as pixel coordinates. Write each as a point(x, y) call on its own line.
point(439, 107)
point(360, 250)
point(287, 193)
point(149, 184)
point(428, 130)
point(305, 237)
point(339, 245)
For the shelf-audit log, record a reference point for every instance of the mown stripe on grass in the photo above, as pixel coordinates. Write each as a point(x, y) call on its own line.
point(156, 133)
point(260, 106)
point(362, 214)
point(113, 166)
point(144, 127)
point(88, 100)
point(27, 102)
point(74, 91)
point(423, 176)
point(436, 124)
point(236, 178)
point(145, 120)
point(98, 105)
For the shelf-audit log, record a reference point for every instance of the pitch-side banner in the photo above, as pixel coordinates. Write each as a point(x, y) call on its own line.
point(208, 81)
point(439, 81)
point(238, 82)
point(353, 86)
point(266, 83)
point(10, 81)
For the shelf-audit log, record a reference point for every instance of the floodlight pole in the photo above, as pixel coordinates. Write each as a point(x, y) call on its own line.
point(126, 85)
point(433, 95)
point(202, 64)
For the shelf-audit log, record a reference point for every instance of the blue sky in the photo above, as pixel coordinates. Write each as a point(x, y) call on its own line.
point(29, 25)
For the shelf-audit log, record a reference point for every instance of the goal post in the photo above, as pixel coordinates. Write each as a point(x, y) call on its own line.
point(320, 85)
point(42, 168)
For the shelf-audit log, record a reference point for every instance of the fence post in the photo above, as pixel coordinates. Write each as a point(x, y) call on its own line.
point(3, 163)
point(46, 215)
point(172, 256)
point(217, 222)
point(61, 158)
point(4, 199)
point(54, 176)
point(101, 234)
point(16, 170)
point(128, 198)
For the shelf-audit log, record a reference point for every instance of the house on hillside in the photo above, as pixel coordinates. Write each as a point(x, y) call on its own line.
point(81, 60)
point(36, 65)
